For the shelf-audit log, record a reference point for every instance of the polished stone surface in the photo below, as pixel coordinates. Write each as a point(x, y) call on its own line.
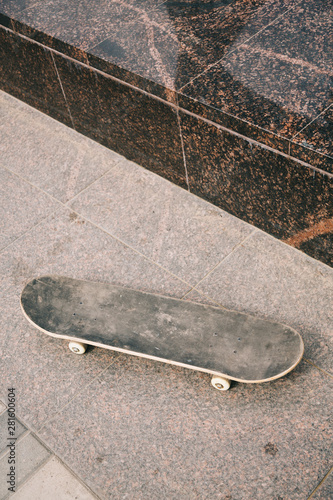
point(82, 23)
point(260, 67)
point(316, 138)
point(280, 80)
point(233, 123)
point(12, 7)
point(167, 42)
point(178, 40)
point(273, 192)
point(27, 72)
point(134, 124)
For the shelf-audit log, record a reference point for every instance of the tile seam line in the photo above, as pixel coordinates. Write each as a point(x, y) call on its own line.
point(318, 368)
point(65, 465)
point(153, 96)
point(262, 232)
point(91, 47)
point(24, 434)
point(175, 107)
point(131, 247)
point(67, 207)
point(61, 203)
point(91, 68)
point(63, 91)
point(223, 112)
point(28, 231)
point(25, 9)
point(117, 164)
point(182, 145)
point(60, 124)
point(320, 484)
point(305, 255)
point(234, 248)
point(70, 200)
point(29, 476)
point(32, 473)
point(316, 118)
point(47, 460)
point(31, 228)
point(256, 143)
point(34, 434)
point(237, 47)
point(50, 420)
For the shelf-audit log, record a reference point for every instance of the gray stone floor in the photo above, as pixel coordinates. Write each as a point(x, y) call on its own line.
point(110, 426)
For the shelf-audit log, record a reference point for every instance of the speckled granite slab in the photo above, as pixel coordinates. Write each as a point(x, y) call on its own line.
point(231, 99)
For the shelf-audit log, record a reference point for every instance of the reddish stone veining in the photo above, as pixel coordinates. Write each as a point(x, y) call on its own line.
point(323, 227)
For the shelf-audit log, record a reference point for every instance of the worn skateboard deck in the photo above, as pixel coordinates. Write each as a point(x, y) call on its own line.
point(196, 336)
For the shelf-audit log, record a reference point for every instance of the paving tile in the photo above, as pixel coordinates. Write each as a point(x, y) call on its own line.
point(4, 435)
point(151, 430)
point(29, 454)
point(195, 296)
point(22, 206)
point(325, 491)
point(46, 374)
point(268, 279)
point(40, 367)
point(167, 224)
point(69, 245)
point(53, 481)
point(48, 154)
point(9, 106)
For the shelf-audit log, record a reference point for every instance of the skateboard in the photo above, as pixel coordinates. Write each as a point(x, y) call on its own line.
point(226, 344)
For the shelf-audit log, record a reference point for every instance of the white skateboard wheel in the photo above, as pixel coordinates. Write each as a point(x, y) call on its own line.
point(220, 383)
point(77, 347)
